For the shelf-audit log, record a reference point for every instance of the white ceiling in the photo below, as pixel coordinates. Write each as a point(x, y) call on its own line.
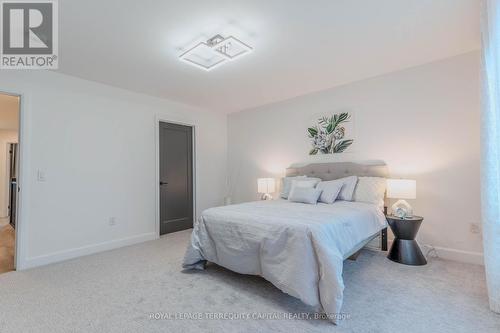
point(300, 46)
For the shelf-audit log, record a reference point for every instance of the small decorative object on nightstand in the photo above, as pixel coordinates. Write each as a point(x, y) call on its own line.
point(266, 186)
point(401, 189)
point(404, 249)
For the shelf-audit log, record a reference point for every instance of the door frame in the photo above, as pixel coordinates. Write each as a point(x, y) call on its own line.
point(164, 119)
point(20, 246)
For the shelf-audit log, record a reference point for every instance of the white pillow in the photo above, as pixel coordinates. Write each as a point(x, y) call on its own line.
point(286, 185)
point(371, 190)
point(306, 182)
point(330, 191)
point(348, 185)
point(308, 195)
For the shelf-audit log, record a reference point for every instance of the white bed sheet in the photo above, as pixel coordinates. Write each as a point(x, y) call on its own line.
point(298, 247)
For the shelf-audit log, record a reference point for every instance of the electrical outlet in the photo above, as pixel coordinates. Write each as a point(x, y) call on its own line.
point(475, 228)
point(112, 221)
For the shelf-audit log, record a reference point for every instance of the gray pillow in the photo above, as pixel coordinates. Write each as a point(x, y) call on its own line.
point(286, 184)
point(347, 191)
point(308, 195)
point(331, 190)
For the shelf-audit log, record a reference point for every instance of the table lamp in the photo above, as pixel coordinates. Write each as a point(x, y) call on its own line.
point(402, 189)
point(266, 186)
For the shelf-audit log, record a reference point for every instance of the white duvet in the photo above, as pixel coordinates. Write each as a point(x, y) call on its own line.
point(299, 248)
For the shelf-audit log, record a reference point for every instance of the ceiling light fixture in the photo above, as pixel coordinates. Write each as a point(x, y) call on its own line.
point(215, 51)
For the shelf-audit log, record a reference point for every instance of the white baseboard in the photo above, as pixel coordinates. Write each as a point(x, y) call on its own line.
point(84, 250)
point(468, 257)
point(441, 252)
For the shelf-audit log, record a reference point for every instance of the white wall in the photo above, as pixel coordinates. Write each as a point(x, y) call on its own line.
point(96, 145)
point(424, 122)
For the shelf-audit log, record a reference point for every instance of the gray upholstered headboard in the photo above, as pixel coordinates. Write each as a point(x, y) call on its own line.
point(335, 170)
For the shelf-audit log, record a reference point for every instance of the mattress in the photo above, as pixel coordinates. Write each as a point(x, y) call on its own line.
point(300, 248)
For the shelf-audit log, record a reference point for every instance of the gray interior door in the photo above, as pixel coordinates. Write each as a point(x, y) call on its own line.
point(176, 177)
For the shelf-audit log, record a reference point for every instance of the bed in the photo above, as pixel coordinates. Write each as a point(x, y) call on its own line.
point(300, 248)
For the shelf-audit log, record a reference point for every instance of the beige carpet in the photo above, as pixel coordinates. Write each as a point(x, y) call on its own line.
point(6, 247)
point(117, 291)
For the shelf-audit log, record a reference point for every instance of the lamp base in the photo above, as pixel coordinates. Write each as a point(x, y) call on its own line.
point(402, 209)
point(266, 196)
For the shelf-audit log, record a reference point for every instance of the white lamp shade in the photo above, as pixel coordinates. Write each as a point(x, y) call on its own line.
point(401, 189)
point(266, 185)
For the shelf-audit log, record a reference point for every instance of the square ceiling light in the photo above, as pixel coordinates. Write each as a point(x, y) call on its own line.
point(214, 52)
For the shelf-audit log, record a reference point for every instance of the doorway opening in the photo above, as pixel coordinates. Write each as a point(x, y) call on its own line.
point(9, 162)
point(175, 177)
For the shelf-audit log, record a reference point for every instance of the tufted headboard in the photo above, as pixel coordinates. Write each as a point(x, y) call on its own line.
point(335, 170)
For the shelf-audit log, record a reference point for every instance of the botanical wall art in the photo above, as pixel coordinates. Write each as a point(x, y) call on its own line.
point(331, 135)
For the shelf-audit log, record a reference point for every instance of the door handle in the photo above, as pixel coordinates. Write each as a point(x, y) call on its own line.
point(163, 183)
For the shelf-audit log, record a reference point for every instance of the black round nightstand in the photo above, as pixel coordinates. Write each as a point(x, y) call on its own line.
point(404, 249)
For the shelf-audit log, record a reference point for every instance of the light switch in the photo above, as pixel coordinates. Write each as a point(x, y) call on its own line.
point(41, 176)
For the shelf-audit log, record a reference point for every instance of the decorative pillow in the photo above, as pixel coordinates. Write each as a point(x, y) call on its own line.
point(286, 184)
point(371, 190)
point(308, 195)
point(348, 184)
point(330, 191)
point(306, 182)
